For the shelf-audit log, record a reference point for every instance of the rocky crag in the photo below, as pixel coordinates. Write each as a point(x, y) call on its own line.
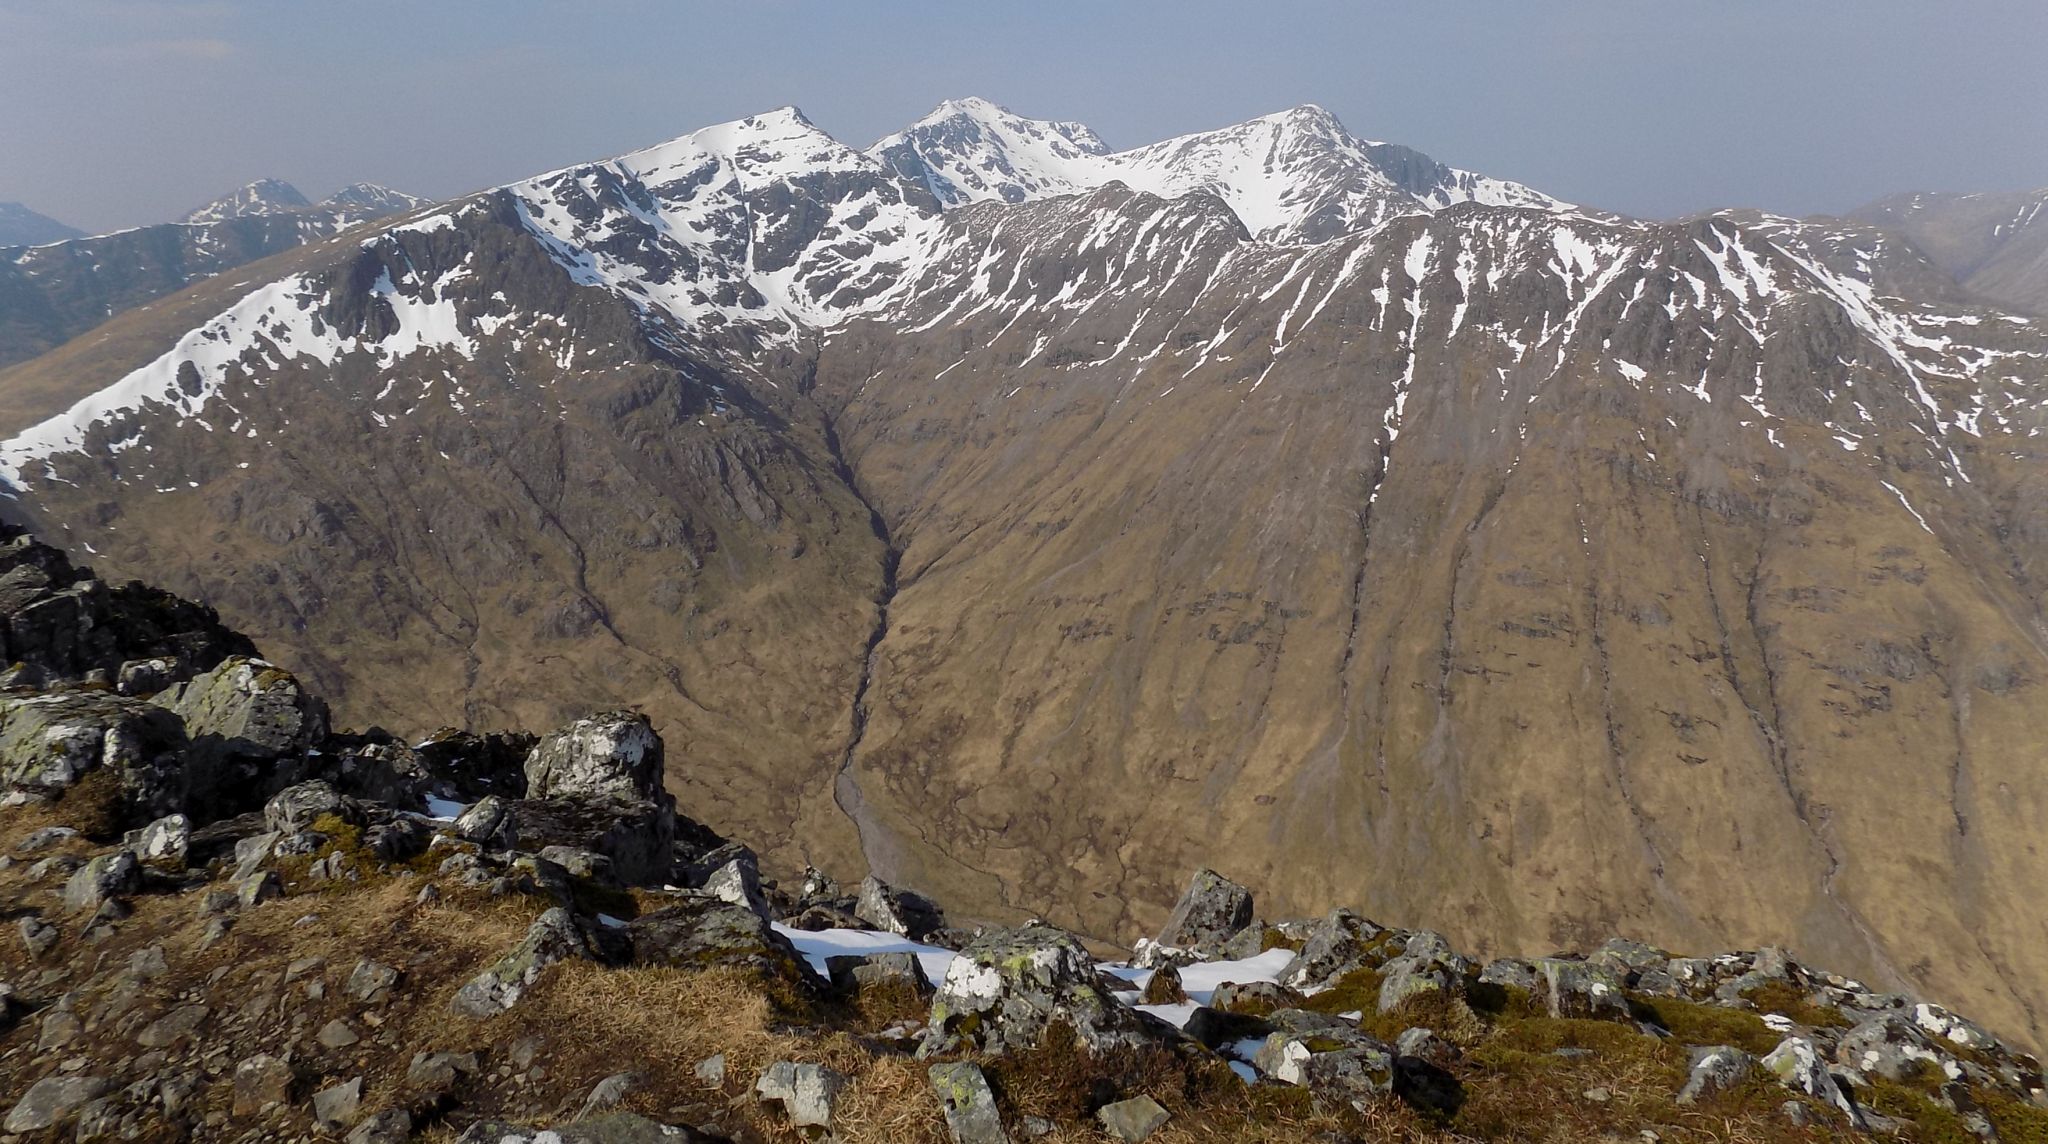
point(231, 921)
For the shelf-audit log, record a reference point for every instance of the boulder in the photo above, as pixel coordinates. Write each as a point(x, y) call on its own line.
point(898, 911)
point(250, 725)
point(49, 742)
point(969, 1105)
point(488, 822)
point(259, 888)
point(1210, 912)
point(38, 935)
point(1952, 1028)
point(1581, 989)
point(296, 808)
point(637, 835)
point(1253, 997)
point(739, 882)
point(556, 936)
point(1427, 966)
point(1340, 943)
point(1508, 972)
point(51, 1100)
point(106, 876)
point(1134, 1119)
point(1005, 989)
point(1628, 960)
point(861, 972)
point(149, 676)
point(699, 932)
point(370, 982)
point(1715, 1069)
point(1339, 1064)
point(615, 754)
point(1215, 1028)
point(807, 1093)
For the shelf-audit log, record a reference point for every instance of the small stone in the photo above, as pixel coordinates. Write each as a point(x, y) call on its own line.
point(177, 1025)
point(38, 935)
point(259, 888)
point(711, 1070)
point(607, 1094)
point(439, 1070)
point(147, 963)
point(1132, 1120)
point(807, 1092)
point(371, 982)
point(165, 841)
point(102, 878)
point(391, 1126)
point(261, 1082)
point(336, 1034)
point(335, 1107)
point(1597, 1095)
point(1715, 1069)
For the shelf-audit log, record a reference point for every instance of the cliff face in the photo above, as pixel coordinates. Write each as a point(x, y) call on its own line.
point(1534, 573)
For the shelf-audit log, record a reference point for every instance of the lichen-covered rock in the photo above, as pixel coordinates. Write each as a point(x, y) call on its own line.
point(858, 973)
point(165, 842)
point(1340, 943)
point(104, 877)
point(1210, 912)
point(637, 835)
point(261, 1082)
point(968, 1103)
point(1628, 959)
point(1581, 989)
point(243, 719)
point(555, 937)
point(1715, 1069)
point(334, 1107)
point(739, 882)
point(615, 753)
point(1005, 990)
point(1427, 965)
point(1253, 997)
point(1889, 1046)
point(1333, 1063)
point(1513, 972)
point(488, 822)
point(297, 807)
point(899, 911)
point(1797, 1065)
point(49, 742)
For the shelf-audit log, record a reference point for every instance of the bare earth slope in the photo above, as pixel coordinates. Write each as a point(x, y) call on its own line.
point(1536, 573)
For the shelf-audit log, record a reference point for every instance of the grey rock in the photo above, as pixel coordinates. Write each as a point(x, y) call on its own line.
point(711, 1070)
point(900, 911)
point(165, 841)
point(1163, 988)
point(1628, 959)
point(1510, 971)
point(700, 932)
point(104, 877)
point(738, 882)
point(390, 1126)
point(613, 753)
point(1253, 996)
point(1134, 1119)
point(49, 742)
point(556, 936)
point(252, 852)
point(969, 1105)
point(296, 808)
point(60, 1028)
point(1715, 1069)
point(180, 1024)
point(370, 982)
point(1424, 1045)
point(1340, 943)
point(488, 822)
point(242, 717)
point(1004, 990)
point(336, 1034)
point(43, 839)
point(1798, 1065)
point(607, 1094)
point(335, 1107)
point(1210, 912)
point(147, 676)
point(1581, 989)
point(857, 973)
point(259, 888)
point(148, 962)
point(260, 1082)
point(609, 1128)
point(1335, 1064)
point(439, 1070)
point(51, 1100)
point(1419, 974)
point(808, 1093)
point(38, 935)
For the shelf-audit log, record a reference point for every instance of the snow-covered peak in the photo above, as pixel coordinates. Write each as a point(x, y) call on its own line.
point(972, 150)
point(262, 197)
point(1292, 176)
point(373, 198)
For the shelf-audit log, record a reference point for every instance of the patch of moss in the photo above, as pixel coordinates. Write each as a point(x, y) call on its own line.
point(1273, 938)
point(2017, 1122)
point(1357, 990)
point(1932, 1124)
point(1691, 1023)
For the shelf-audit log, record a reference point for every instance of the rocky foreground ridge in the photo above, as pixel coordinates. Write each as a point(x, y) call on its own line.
point(234, 922)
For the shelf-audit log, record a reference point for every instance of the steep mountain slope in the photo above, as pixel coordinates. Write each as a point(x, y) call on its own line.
point(20, 226)
point(52, 293)
point(1997, 245)
point(1538, 573)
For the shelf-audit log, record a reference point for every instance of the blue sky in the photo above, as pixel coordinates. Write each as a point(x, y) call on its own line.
point(122, 112)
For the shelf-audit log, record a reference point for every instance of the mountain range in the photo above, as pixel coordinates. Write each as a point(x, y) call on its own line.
point(1028, 522)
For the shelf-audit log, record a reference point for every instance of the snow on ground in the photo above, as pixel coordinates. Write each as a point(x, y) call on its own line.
point(817, 945)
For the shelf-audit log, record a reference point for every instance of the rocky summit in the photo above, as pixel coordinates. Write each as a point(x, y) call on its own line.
point(997, 513)
point(233, 921)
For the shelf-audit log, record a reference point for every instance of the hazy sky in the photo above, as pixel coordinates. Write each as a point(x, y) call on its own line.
point(122, 112)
